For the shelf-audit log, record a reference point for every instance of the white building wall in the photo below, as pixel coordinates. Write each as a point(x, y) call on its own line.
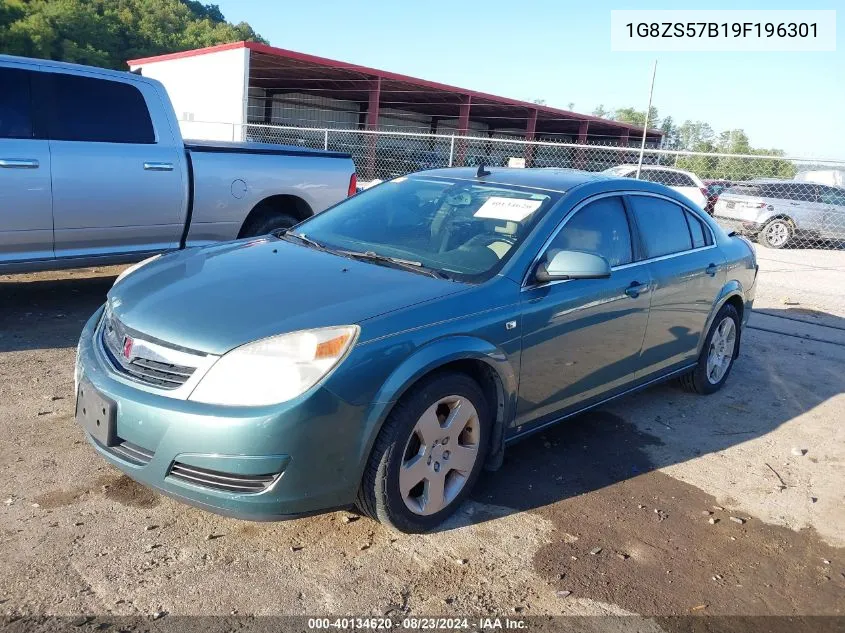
point(208, 92)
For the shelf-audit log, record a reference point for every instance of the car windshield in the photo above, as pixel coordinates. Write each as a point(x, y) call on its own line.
point(463, 230)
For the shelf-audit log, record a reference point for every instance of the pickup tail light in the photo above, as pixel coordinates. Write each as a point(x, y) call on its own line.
point(705, 193)
point(353, 185)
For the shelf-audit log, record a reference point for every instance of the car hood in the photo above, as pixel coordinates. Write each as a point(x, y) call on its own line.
point(215, 298)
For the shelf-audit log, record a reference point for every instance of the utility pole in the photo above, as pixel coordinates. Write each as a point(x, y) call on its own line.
point(647, 114)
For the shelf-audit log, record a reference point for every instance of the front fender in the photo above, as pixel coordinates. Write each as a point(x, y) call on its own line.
point(429, 358)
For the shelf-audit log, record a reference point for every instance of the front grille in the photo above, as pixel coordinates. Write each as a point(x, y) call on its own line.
point(155, 372)
point(129, 452)
point(224, 482)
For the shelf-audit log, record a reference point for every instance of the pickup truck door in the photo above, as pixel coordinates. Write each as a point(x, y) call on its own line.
point(117, 170)
point(26, 217)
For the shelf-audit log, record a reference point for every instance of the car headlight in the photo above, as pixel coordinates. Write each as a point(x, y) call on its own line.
point(135, 267)
point(275, 369)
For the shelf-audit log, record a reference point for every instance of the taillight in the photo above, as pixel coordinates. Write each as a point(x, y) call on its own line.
point(705, 192)
point(353, 185)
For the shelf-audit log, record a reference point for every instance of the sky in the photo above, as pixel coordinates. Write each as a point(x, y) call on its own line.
point(559, 51)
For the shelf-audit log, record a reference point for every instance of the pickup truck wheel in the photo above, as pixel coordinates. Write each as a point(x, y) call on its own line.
point(428, 454)
point(717, 355)
point(265, 224)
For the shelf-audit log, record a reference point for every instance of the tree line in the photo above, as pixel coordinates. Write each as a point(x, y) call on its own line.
point(699, 136)
point(106, 33)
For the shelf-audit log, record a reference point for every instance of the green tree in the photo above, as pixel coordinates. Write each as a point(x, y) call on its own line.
point(637, 117)
point(108, 32)
point(696, 136)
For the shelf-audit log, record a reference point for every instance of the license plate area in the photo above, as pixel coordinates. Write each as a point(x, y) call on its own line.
point(730, 205)
point(97, 414)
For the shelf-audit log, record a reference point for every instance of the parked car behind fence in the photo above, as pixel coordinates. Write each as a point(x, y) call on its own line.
point(780, 213)
point(684, 182)
point(714, 190)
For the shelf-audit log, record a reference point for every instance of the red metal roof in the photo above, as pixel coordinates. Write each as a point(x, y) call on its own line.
point(547, 113)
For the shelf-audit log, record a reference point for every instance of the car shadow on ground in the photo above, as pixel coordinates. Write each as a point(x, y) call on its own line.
point(48, 313)
point(777, 378)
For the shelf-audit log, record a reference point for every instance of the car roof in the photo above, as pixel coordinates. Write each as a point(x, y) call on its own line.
point(559, 180)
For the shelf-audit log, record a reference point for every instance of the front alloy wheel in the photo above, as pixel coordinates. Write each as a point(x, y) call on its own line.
point(428, 454)
point(440, 455)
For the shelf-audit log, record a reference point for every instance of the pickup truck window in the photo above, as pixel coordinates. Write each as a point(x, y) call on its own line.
point(15, 106)
point(98, 110)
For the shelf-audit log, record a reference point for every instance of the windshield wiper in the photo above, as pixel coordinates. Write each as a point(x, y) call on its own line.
point(305, 240)
point(405, 264)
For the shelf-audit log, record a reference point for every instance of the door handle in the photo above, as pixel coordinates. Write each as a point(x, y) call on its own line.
point(711, 270)
point(18, 163)
point(636, 289)
point(158, 166)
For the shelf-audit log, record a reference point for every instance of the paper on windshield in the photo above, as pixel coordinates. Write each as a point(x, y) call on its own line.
point(510, 209)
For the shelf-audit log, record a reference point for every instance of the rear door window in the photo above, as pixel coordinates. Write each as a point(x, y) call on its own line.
point(98, 110)
point(15, 104)
point(698, 232)
point(662, 225)
point(829, 195)
point(801, 192)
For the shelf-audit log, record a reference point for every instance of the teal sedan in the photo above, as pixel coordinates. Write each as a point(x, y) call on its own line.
point(383, 353)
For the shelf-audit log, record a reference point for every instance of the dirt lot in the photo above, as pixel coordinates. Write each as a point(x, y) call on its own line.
point(728, 504)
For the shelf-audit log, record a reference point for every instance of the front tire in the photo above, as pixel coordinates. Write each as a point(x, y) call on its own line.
point(717, 355)
point(776, 233)
point(428, 454)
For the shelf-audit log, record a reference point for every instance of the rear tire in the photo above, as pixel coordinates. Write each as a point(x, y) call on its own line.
point(427, 455)
point(264, 224)
point(717, 356)
point(776, 233)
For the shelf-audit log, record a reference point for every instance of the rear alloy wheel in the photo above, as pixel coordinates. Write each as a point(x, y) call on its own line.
point(776, 233)
point(428, 454)
point(717, 355)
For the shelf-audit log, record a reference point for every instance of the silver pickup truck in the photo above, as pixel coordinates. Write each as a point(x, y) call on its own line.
point(93, 170)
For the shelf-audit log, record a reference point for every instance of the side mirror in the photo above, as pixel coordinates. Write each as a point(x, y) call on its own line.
point(573, 265)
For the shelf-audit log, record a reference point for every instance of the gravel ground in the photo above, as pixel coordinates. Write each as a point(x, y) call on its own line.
point(660, 504)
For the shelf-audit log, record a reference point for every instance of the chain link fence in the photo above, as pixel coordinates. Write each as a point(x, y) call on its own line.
point(778, 201)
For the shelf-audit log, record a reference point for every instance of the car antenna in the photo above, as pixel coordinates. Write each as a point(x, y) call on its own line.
point(481, 171)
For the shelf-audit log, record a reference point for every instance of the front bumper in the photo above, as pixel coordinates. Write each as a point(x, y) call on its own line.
point(311, 445)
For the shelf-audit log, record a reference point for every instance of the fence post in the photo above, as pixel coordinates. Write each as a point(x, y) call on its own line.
point(451, 150)
point(326, 139)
